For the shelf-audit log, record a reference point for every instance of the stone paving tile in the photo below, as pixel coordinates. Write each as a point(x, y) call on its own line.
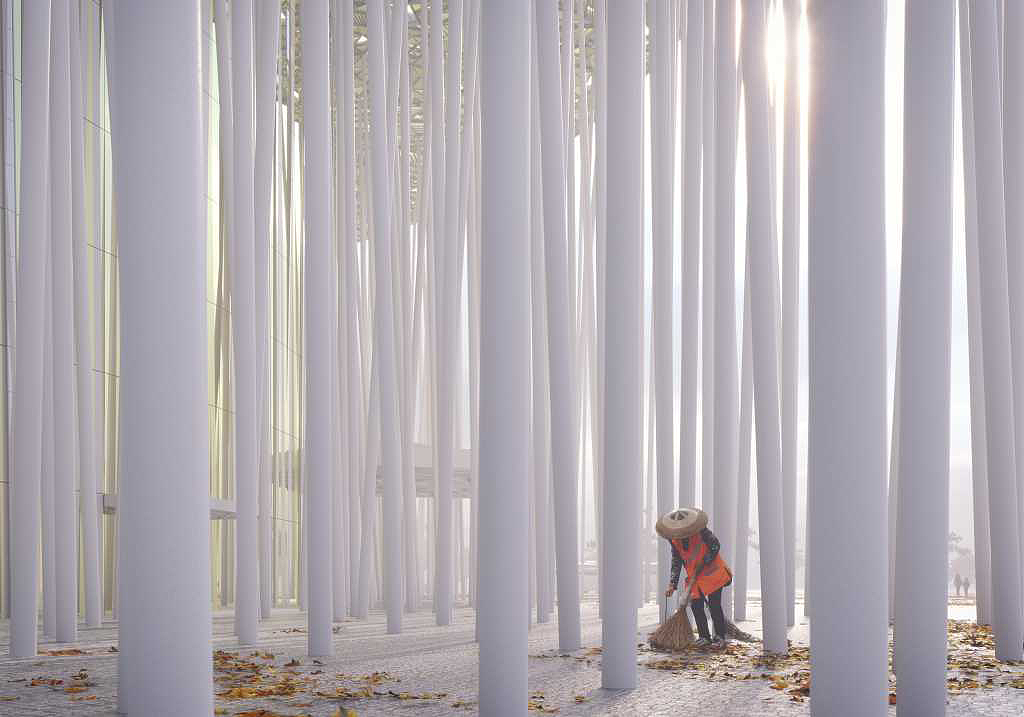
point(427, 658)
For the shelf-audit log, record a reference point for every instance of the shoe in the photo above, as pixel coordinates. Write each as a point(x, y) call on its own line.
point(719, 643)
point(702, 643)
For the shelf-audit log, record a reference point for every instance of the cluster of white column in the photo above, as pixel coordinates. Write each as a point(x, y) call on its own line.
point(477, 210)
point(52, 408)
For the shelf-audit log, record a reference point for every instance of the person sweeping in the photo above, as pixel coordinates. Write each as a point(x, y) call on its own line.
point(697, 549)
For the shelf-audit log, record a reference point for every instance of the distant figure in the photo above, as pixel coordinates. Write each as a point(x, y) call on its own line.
point(967, 586)
point(957, 582)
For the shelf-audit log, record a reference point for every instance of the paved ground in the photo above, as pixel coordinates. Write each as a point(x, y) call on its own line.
point(431, 671)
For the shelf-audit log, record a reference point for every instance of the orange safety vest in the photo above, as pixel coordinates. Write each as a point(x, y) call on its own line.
point(715, 576)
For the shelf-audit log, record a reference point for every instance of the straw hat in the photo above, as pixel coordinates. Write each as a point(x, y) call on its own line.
point(681, 523)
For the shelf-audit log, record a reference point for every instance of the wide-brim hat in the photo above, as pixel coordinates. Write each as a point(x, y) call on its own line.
point(681, 523)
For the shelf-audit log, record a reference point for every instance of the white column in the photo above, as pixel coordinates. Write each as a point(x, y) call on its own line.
point(65, 514)
point(26, 432)
point(48, 554)
point(267, 41)
point(790, 349)
point(541, 424)
point(894, 478)
point(1012, 16)
point(87, 467)
point(846, 274)
point(739, 567)
point(979, 454)
point(340, 447)
point(164, 497)
point(347, 218)
point(922, 525)
point(448, 240)
point(317, 185)
point(245, 360)
point(707, 339)
point(384, 317)
point(764, 333)
point(690, 305)
point(361, 604)
point(996, 335)
point(600, 81)
point(505, 384)
point(407, 276)
point(663, 153)
point(562, 381)
point(442, 401)
point(726, 409)
point(623, 301)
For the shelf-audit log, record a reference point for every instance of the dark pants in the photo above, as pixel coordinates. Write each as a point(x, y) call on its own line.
point(714, 604)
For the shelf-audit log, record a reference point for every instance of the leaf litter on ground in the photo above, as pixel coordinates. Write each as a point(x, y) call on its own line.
point(971, 663)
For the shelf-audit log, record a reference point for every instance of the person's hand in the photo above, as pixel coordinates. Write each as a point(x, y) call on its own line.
point(671, 589)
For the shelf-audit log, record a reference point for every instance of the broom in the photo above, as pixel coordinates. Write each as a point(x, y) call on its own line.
point(676, 633)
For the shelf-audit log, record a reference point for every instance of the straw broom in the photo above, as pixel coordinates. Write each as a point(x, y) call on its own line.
point(676, 633)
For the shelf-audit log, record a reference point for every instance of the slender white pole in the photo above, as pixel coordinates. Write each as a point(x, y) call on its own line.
point(442, 402)
point(384, 322)
point(339, 443)
point(690, 304)
point(764, 332)
point(562, 383)
point(541, 423)
point(361, 604)
point(346, 222)
point(406, 274)
point(48, 552)
point(979, 452)
point(1013, 168)
point(790, 350)
point(996, 334)
point(164, 498)
point(623, 302)
point(740, 579)
point(65, 515)
point(663, 154)
point(243, 327)
point(87, 468)
point(846, 298)
point(707, 360)
point(267, 42)
point(505, 384)
point(894, 477)
point(28, 377)
point(925, 307)
point(317, 184)
point(725, 372)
